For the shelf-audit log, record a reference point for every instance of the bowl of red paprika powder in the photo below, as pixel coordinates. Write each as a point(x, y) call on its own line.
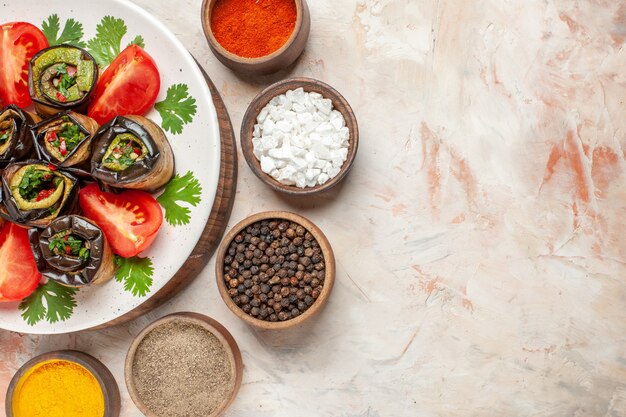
point(256, 36)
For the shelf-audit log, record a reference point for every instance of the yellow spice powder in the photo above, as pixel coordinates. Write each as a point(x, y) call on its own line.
point(58, 388)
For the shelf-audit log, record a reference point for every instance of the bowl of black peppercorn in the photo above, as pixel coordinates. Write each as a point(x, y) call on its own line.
point(275, 270)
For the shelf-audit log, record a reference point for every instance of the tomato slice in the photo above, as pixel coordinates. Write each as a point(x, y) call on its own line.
point(130, 220)
point(129, 85)
point(19, 41)
point(18, 272)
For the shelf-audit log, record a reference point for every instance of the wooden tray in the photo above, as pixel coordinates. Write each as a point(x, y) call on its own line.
point(216, 225)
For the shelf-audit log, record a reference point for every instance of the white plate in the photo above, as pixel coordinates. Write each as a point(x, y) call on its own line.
point(197, 149)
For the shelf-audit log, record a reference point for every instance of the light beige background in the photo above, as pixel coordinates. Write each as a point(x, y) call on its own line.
point(480, 237)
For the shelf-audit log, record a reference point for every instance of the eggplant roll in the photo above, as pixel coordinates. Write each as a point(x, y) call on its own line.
point(15, 141)
point(65, 139)
point(132, 152)
point(61, 78)
point(73, 251)
point(34, 193)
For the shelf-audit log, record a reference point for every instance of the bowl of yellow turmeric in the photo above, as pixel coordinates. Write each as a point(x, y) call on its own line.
point(61, 384)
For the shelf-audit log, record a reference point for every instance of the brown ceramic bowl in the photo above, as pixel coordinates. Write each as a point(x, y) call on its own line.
point(268, 64)
point(309, 85)
point(219, 331)
point(329, 279)
point(109, 387)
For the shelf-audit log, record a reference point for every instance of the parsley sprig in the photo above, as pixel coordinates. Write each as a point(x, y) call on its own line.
point(51, 301)
point(72, 31)
point(107, 43)
point(136, 274)
point(187, 189)
point(177, 109)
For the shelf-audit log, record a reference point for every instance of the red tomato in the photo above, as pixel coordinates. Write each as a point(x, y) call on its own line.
point(130, 220)
point(18, 272)
point(129, 85)
point(19, 41)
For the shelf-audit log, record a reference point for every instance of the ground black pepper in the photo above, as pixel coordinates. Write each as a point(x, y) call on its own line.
point(274, 270)
point(182, 370)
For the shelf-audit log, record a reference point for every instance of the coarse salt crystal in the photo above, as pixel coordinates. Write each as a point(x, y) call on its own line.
point(267, 164)
point(323, 178)
point(299, 139)
point(262, 115)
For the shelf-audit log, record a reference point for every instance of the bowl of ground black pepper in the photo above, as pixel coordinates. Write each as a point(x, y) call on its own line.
point(275, 270)
point(183, 365)
point(256, 36)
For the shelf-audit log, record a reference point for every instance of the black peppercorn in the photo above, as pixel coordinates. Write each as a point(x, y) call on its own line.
point(274, 270)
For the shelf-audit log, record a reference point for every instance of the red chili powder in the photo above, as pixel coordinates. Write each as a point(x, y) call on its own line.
point(253, 28)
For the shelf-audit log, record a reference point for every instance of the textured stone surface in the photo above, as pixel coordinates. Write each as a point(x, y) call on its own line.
point(479, 238)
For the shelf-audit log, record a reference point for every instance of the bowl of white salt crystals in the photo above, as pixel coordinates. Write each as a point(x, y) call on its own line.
point(300, 136)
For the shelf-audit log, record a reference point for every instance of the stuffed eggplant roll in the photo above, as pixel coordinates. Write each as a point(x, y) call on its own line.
point(65, 139)
point(61, 78)
point(34, 193)
point(132, 152)
point(73, 251)
point(15, 141)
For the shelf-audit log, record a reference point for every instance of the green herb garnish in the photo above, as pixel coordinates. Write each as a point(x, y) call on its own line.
point(136, 274)
point(65, 82)
point(106, 45)
point(72, 135)
point(61, 243)
point(51, 300)
point(84, 253)
point(34, 181)
point(177, 109)
point(123, 152)
point(72, 31)
point(4, 136)
point(138, 41)
point(186, 188)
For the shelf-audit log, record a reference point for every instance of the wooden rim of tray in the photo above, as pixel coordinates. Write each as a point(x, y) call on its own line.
point(215, 226)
